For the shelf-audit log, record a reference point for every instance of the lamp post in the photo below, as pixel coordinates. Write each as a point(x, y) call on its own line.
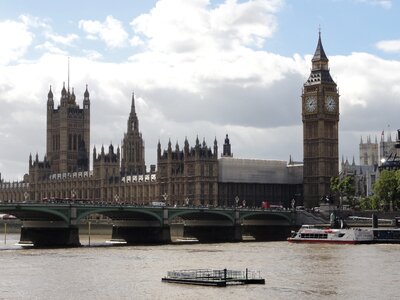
point(116, 198)
point(26, 195)
point(165, 196)
point(236, 201)
point(5, 232)
point(73, 194)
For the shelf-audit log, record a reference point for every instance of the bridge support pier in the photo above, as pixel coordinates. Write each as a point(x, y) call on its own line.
point(51, 236)
point(142, 235)
point(268, 232)
point(214, 234)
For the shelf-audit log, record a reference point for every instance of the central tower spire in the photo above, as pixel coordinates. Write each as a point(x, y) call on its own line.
point(132, 161)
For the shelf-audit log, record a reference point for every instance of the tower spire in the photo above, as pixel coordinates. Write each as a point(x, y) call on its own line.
point(320, 66)
point(133, 110)
point(319, 54)
point(68, 74)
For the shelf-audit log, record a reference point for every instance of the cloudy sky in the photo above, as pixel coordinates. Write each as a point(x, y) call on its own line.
point(198, 68)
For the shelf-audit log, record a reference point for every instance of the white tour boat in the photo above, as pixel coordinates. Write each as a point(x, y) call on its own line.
point(315, 234)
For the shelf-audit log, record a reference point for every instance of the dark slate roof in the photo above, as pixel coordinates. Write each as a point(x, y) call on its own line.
point(319, 52)
point(319, 76)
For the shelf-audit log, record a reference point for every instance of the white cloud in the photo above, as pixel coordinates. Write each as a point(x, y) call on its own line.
point(111, 31)
point(34, 22)
point(92, 54)
point(15, 40)
point(179, 26)
point(66, 40)
point(190, 45)
point(387, 4)
point(50, 47)
point(389, 45)
point(136, 41)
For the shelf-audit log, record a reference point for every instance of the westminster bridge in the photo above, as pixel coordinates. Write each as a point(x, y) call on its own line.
point(57, 224)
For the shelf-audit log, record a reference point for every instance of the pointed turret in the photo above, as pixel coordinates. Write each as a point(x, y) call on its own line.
point(86, 103)
point(159, 149)
point(50, 103)
point(226, 148)
point(133, 121)
point(73, 98)
point(63, 91)
point(186, 147)
point(94, 153)
point(215, 147)
point(111, 149)
point(50, 94)
point(169, 145)
point(133, 110)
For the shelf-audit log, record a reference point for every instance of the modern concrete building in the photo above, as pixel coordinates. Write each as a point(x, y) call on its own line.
point(253, 181)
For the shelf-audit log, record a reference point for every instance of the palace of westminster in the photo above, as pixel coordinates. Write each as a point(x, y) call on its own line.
point(188, 175)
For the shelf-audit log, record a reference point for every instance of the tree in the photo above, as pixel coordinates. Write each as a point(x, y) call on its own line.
point(387, 188)
point(370, 203)
point(344, 188)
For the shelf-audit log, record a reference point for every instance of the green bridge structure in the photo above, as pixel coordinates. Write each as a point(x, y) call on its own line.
point(57, 224)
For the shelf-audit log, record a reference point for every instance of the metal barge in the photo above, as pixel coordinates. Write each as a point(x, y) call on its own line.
point(219, 278)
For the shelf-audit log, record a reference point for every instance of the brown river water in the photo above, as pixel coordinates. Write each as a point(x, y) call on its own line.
point(291, 271)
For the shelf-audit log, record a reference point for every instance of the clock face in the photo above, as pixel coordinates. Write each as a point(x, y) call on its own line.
point(311, 104)
point(330, 104)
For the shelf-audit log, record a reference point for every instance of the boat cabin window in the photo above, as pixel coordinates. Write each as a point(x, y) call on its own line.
point(314, 235)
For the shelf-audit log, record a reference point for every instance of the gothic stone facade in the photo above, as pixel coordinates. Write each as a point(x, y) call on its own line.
point(320, 114)
point(116, 177)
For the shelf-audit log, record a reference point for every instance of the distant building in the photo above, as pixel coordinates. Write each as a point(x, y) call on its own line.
point(184, 176)
point(374, 153)
point(374, 157)
point(364, 176)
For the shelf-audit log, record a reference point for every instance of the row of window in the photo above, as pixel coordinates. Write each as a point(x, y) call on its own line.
point(314, 235)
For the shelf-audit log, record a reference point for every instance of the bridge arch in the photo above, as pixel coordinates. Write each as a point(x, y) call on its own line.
point(206, 213)
point(266, 214)
point(109, 211)
point(21, 212)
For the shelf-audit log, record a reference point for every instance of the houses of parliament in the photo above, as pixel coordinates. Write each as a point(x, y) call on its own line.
point(183, 175)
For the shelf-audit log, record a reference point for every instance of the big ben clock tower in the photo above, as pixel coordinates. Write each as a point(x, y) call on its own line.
point(320, 114)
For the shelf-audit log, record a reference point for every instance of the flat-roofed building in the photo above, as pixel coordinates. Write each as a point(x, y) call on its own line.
point(257, 180)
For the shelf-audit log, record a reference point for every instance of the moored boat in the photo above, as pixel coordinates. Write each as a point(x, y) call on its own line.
point(315, 234)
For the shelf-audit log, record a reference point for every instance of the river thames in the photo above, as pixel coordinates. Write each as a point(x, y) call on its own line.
point(291, 271)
